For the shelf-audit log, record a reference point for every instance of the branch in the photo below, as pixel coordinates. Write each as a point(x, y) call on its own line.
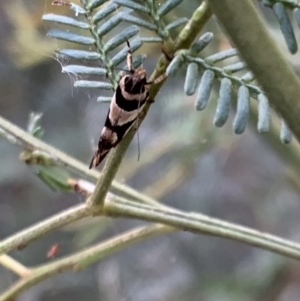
point(185, 38)
point(23, 238)
point(84, 258)
point(200, 223)
point(262, 56)
point(174, 219)
point(14, 266)
point(16, 135)
point(189, 33)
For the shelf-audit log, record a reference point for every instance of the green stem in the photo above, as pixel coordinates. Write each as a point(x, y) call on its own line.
point(191, 30)
point(14, 266)
point(14, 134)
point(185, 38)
point(109, 171)
point(24, 237)
point(84, 258)
point(203, 224)
point(114, 206)
point(259, 51)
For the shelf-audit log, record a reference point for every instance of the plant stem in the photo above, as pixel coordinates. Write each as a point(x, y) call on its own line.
point(11, 131)
point(200, 223)
point(190, 31)
point(24, 237)
point(185, 38)
point(14, 266)
point(115, 206)
point(84, 258)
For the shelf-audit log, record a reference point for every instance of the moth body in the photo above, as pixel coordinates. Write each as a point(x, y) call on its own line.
point(127, 102)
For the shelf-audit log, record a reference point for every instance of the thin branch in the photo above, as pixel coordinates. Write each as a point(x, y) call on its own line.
point(262, 56)
point(84, 258)
point(14, 134)
point(15, 266)
point(190, 31)
point(176, 220)
point(24, 237)
point(116, 206)
point(185, 38)
point(203, 224)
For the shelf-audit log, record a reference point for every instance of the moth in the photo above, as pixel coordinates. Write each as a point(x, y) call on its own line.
point(127, 102)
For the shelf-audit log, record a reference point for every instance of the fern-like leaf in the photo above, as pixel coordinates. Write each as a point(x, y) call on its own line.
point(226, 75)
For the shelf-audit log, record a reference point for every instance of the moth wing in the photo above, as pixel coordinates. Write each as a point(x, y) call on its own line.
point(108, 140)
point(98, 157)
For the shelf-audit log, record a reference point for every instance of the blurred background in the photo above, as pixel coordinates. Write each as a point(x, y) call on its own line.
point(185, 162)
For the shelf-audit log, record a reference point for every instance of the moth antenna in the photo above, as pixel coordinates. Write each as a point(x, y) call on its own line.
point(120, 69)
point(137, 132)
point(138, 139)
point(129, 58)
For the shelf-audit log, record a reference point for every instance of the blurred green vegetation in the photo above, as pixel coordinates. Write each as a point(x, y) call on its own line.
point(185, 161)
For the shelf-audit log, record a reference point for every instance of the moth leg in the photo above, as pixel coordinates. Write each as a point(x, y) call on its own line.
point(158, 80)
point(150, 100)
point(129, 58)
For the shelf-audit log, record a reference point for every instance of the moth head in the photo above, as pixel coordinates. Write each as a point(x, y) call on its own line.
point(135, 82)
point(140, 74)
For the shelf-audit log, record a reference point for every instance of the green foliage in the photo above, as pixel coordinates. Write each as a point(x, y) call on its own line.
point(226, 75)
point(95, 29)
point(101, 17)
point(45, 164)
point(55, 178)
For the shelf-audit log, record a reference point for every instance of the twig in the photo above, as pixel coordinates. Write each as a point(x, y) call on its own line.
point(14, 266)
point(188, 34)
point(176, 220)
point(16, 135)
point(84, 258)
point(24, 237)
point(200, 223)
point(185, 38)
